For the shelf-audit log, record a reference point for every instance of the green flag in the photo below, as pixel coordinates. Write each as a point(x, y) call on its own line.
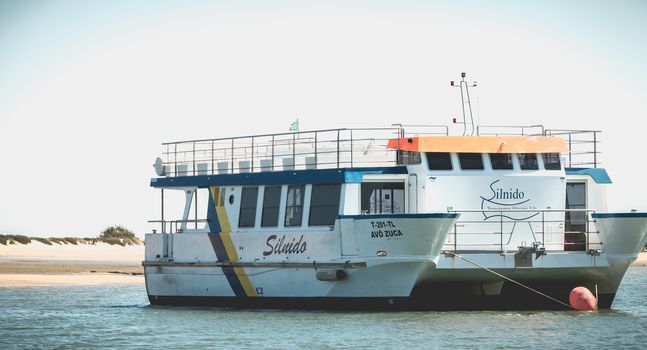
point(295, 126)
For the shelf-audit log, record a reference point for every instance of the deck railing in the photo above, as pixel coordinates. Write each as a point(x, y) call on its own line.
point(317, 149)
point(546, 227)
point(339, 148)
point(582, 145)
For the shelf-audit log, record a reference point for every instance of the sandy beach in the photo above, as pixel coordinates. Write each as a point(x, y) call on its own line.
point(641, 261)
point(38, 264)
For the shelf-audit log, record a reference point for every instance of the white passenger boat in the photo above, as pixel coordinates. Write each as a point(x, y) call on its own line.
point(393, 218)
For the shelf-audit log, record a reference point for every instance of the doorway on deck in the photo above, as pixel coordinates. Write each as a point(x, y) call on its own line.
point(575, 225)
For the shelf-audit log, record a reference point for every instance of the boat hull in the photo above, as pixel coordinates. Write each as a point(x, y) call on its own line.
point(388, 255)
point(463, 281)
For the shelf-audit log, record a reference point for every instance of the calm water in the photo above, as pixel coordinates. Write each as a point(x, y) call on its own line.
point(120, 317)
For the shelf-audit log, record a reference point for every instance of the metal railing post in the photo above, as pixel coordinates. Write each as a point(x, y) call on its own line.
point(337, 148)
point(570, 151)
point(294, 151)
point(543, 228)
point(456, 238)
point(175, 158)
point(163, 226)
point(232, 155)
point(272, 152)
point(213, 161)
point(193, 158)
point(595, 150)
point(501, 216)
point(252, 154)
point(351, 148)
point(316, 156)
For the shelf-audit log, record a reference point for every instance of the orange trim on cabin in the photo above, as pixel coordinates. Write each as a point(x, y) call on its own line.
point(480, 144)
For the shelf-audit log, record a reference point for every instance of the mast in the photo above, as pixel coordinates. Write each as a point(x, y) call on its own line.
point(465, 100)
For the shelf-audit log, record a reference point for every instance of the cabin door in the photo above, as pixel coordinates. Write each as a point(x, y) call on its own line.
point(575, 225)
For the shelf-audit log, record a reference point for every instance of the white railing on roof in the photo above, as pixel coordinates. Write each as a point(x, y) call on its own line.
point(317, 149)
point(339, 148)
point(582, 144)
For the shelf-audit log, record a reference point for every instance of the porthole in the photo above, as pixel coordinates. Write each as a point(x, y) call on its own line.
point(231, 199)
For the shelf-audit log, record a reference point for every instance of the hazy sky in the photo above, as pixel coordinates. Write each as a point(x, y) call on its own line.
point(90, 89)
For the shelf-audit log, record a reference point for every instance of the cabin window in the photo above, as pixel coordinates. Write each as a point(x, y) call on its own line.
point(382, 198)
point(552, 161)
point(247, 217)
point(324, 205)
point(528, 161)
point(294, 205)
point(439, 161)
point(408, 158)
point(501, 161)
point(271, 201)
point(471, 161)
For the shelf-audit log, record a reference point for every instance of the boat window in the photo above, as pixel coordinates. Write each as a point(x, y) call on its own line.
point(324, 205)
point(271, 201)
point(501, 161)
point(528, 161)
point(439, 161)
point(247, 217)
point(552, 161)
point(294, 205)
point(408, 157)
point(382, 198)
point(471, 161)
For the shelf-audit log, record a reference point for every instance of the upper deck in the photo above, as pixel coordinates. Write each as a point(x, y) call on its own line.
point(359, 147)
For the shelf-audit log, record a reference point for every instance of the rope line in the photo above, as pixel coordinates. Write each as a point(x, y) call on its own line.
point(511, 280)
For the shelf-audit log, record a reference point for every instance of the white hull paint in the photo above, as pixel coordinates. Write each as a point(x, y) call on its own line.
point(265, 265)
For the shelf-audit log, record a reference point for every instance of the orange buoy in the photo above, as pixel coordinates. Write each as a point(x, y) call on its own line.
point(581, 299)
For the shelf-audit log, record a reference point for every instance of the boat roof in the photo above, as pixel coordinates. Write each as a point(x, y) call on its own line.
point(480, 144)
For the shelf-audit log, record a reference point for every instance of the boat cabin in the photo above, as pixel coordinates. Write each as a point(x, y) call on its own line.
point(511, 190)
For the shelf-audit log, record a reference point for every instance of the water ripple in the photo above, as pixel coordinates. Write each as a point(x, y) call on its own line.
point(83, 317)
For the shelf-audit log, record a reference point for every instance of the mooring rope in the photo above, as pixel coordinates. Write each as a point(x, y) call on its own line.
point(511, 280)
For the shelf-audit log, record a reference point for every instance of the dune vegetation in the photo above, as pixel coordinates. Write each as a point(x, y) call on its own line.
point(113, 235)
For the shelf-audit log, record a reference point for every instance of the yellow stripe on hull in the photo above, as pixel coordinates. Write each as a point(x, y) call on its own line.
point(225, 234)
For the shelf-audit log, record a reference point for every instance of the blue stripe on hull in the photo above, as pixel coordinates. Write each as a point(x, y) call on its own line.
point(212, 217)
point(401, 216)
point(599, 175)
point(218, 247)
point(618, 215)
point(222, 256)
point(234, 281)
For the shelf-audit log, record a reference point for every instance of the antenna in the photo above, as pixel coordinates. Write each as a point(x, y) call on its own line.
point(463, 85)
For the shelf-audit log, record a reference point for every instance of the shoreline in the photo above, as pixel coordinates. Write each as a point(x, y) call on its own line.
point(37, 264)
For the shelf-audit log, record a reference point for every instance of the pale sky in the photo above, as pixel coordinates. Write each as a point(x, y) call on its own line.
point(90, 89)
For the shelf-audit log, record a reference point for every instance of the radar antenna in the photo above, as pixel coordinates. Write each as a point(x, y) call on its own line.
point(463, 85)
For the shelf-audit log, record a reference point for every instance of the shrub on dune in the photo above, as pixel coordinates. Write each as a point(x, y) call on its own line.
point(19, 238)
point(42, 240)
